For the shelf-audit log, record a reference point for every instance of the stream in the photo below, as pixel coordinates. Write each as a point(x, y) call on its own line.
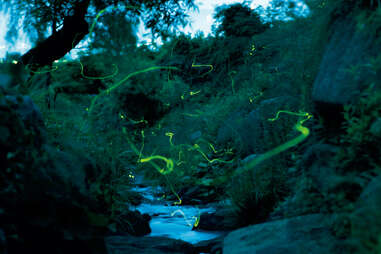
point(173, 221)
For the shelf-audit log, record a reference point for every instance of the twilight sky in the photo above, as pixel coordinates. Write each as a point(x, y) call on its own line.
point(201, 20)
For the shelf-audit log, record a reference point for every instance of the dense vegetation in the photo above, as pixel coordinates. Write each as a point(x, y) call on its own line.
point(192, 115)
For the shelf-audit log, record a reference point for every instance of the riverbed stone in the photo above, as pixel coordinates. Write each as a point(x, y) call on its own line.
point(134, 223)
point(216, 221)
point(212, 246)
point(302, 234)
point(147, 245)
point(366, 218)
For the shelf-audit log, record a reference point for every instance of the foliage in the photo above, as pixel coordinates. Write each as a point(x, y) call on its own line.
point(120, 29)
point(286, 10)
point(360, 146)
point(178, 114)
point(38, 17)
point(255, 195)
point(238, 20)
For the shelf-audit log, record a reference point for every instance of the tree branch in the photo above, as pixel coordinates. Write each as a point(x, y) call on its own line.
point(74, 29)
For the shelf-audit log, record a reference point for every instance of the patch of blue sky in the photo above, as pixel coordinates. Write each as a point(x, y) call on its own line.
point(21, 45)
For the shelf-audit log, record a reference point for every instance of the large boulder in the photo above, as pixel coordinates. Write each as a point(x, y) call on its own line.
point(346, 68)
point(212, 246)
point(304, 234)
point(366, 219)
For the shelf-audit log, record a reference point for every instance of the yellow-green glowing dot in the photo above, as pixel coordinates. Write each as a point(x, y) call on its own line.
point(179, 161)
point(194, 93)
point(169, 164)
point(102, 11)
point(198, 149)
point(251, 100)
point(183, 214)
point(197, 219)
point(170, 135)
point(203, 65)
point(303, 114)
point(142, 147)
point(214, 150)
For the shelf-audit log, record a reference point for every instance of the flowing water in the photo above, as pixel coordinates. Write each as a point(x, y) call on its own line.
point(173, 221)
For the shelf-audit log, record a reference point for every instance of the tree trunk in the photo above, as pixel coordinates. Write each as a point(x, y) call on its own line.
point(58, 44)
point(74, 29)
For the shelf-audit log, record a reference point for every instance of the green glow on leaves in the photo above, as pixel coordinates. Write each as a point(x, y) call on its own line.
point(169, 163)
point(107, 91)
point(54, 68)
point(102, 11)
point(298, 126)
point(170, 135)
point(164, 172)
point(203, 65)
point(198, 149)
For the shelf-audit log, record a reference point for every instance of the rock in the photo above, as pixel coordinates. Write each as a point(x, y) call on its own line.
point(213, 246)
point(215, 221)
point(196, 195)
point(134, 223)
point(318, 161)
point(344, 70)
point(304, 234)
point(211, 221)
point(366, 219)
point(147, 245)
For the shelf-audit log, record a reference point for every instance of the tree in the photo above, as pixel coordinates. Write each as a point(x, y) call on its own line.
point(68, 22)
point(237, 24)
point(238, 20)
point(120, 33)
